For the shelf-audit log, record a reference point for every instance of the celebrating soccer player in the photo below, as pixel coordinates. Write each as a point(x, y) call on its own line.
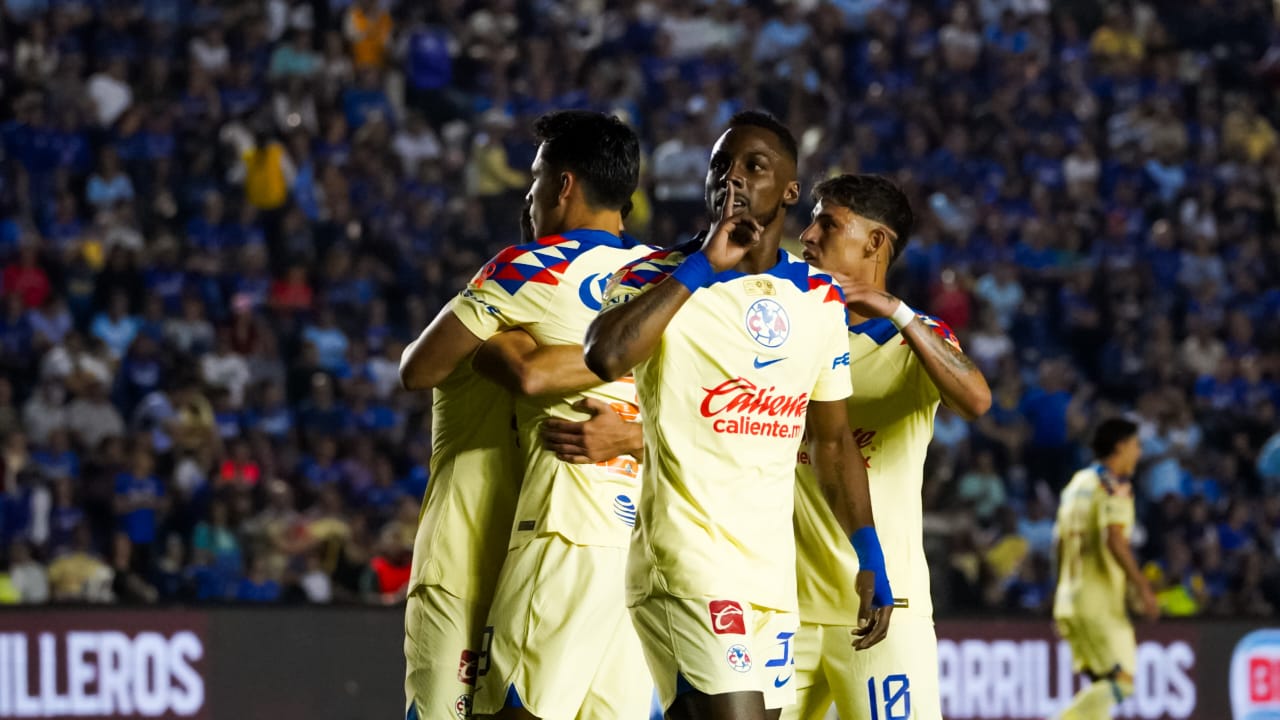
point(903, 364)
point(558, 607)
point(738, 348)
point(1095, 561)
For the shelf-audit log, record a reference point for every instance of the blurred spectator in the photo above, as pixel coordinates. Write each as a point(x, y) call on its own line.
point(257, 586)
point(92, 418)
point(315, 582)
point(215, 539)
point(368, 27)
point(28, 577)
point(982, 488)
point(139, 503)
point(110, 92)
point(127, 585)
point(80, 575)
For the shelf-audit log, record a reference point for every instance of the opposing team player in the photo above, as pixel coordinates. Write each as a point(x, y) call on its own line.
point(737, 347)
point(903, 364)
point(1095, 561)
point(586, 167)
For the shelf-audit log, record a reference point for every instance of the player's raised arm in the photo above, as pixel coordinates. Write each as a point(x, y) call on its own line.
point(516, 362)
point(428, 360)
point(842, 475)
point(959, 381)
point(630, 325)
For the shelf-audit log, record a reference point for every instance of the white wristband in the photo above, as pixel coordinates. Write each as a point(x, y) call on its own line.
point(902, 315)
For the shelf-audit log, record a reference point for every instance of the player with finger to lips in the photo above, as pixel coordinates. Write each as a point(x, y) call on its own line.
point(736, 348)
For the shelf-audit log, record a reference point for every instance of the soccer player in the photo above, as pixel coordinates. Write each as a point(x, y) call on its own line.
point(568, 523)
point(904, 364)
point(1095, 521)
point(558, 607)
point(739, 351)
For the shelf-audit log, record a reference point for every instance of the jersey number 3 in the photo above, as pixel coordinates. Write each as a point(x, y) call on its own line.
point(895, 693)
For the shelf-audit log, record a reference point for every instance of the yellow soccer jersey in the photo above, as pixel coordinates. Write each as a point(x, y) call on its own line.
point(471, 496)
point(725, 394)
point(553, 289)
point(1091, 582)
point(891, 417)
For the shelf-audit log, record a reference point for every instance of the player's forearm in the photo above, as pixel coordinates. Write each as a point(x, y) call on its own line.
point(622, 337)
point(516, 362)
point(1119, 547)
point(842, 475)
point(959, 381)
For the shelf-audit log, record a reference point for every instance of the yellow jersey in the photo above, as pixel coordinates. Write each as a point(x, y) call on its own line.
point(891, 417)
point(726, 392)
point(552, 289)
point(466, 514)
point(1091, 582)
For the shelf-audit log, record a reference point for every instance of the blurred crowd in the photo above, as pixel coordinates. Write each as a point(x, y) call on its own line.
point(221, 221)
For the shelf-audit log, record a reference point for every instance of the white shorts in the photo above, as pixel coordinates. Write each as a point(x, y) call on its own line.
point(560, 640)
point(896, 679)
point(717, 647)
point(441, 649)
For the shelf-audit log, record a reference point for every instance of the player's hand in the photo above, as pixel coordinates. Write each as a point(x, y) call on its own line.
point(1150, 605)
point(732, 235)
point(873, 623)
point(868, 300)
point(603, 437)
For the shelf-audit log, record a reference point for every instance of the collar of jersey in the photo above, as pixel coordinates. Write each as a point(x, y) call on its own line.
point(587, 236)
point(880, 330)
point(784, 269)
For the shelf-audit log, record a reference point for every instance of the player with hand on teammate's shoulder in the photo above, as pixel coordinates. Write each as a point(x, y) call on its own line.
point(903, 365)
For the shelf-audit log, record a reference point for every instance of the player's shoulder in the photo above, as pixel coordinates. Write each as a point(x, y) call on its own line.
point(1115, 487)
point(544, 260)
point(1085, 477)
point(653, 266)
point(940, 328)
point(807, 279)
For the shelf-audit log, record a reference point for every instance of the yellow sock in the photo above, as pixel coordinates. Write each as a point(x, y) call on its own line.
point(1091, 703)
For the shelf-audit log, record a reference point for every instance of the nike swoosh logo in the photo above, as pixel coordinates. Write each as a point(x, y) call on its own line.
point(779, 682)
point(766, 363)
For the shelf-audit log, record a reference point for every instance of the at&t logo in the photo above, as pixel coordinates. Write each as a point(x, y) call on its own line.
point(591, 291)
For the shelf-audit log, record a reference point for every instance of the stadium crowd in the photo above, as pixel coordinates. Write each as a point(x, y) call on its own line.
point(220, 222)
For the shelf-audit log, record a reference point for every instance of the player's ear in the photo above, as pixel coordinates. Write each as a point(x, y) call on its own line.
point(791, 195)
point(567, 183)
point(877, 240)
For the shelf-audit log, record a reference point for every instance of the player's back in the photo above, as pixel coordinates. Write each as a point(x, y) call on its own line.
point(1091, 582)
point(725, 395)
point(553, 289)
point(891, 415)
point(470, 499)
